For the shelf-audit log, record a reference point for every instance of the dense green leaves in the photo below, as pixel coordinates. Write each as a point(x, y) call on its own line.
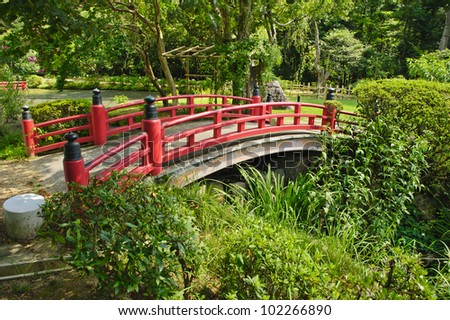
point(74, 38)
point(136, 238)
point(433, 66)
point(421, 110)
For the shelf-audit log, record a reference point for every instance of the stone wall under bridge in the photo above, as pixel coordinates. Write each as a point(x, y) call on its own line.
point(286, 154)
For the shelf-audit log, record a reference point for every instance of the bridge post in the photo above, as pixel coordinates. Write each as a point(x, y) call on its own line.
point(28, 131)
point(256, 98)
point(151, 125)
point(269, 99)
point(73, 162)
point(330, 94)
point(329, 113)
point(98, 119)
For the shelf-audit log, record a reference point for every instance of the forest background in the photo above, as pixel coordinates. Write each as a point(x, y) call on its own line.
point(321, 41)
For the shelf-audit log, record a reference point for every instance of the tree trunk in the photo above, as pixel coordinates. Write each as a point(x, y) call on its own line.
point(322, 74)
point(162, 49)
point(446, 33)
point(244, 19)
point(149, 70)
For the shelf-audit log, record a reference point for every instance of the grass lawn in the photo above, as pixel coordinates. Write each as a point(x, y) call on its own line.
point(349, 104)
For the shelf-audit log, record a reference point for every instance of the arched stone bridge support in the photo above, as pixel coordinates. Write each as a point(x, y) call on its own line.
point(287, 153)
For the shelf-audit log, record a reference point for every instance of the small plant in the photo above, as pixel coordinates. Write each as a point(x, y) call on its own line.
point(11, 99)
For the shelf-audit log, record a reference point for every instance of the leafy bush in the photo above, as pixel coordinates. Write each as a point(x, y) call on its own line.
point(138, 239)
point(420, 108)
point(364, 183)
point(433, 66)
point(260, 260)
point(59, 109)
point(11, 142)
point(34, 81)
point(11, 99)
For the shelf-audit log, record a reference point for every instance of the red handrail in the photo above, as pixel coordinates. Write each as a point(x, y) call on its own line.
point(259, 120)
point(102, 125)
point(141, 154)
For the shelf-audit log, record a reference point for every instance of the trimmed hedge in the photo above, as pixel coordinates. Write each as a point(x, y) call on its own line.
point(421, 108)
point(60, 109)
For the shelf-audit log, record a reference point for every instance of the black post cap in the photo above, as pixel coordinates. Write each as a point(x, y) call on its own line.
point(150, 111)
point(299, 98)
point(96, 98)
point(269, 97)
point(26, 114)
point(72, 149)
point(256, 92)
point(330, 94)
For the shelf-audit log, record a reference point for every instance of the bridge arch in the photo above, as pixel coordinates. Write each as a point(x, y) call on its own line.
point(287, 153)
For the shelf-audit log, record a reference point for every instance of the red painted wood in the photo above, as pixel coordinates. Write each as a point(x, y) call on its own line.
point(28, 137)
point(74, 172)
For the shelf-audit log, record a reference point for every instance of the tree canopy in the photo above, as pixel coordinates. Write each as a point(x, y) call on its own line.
point(306, 40)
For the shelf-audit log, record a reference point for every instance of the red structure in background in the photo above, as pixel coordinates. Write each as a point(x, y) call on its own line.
point(21, 85)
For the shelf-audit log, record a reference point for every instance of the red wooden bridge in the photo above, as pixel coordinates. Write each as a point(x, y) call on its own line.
point(176, 129)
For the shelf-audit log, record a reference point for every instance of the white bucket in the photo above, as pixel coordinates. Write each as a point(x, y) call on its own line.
point(21, 216)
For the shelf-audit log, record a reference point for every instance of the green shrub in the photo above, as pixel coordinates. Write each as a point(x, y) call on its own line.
point(138, 239)
point(433, 66)
point(59, 109)
point(11, 143)
point(34, 81)
point(260, 260)
point(364, 183)
point(419, 108)
point(11, 99)
point(11, 103)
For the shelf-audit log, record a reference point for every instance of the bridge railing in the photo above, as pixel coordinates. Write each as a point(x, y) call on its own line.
point(102, 122)
point(225, 127)
point(212, 125)
point(137, 159)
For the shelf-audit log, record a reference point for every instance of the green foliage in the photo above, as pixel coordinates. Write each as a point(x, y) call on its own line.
point(333, 104)
point(344, 55)
point(47, 111)
point(364, 183)
point(433, 66)
point(268, 195)
point(421, 109)
point(11, 99)
point(27, 65)
point(11, 143)
point(261, 260)
point(34, 81)
point(138, 239)
point(120, 99)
